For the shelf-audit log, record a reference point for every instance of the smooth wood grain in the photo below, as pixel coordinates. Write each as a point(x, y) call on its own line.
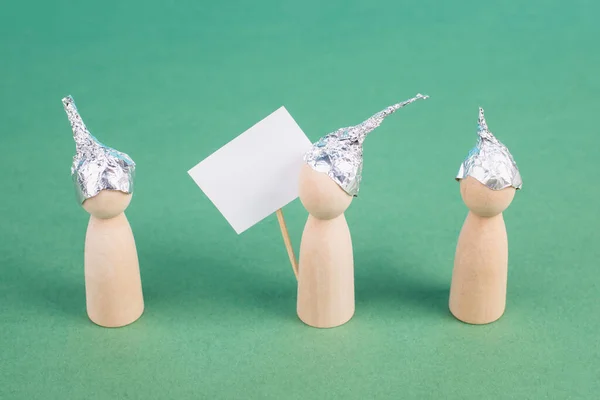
point(112, 276)
point(320, 195)
point(326, 280)
point(326, 270)
point(479, 278)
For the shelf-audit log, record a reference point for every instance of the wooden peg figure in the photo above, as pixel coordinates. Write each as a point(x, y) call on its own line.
point(489, 178)
point(328, 182)
point(326, 272)
point(103, 179)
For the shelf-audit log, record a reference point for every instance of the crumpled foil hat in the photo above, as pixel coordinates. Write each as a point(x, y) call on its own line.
point(339, 154)
point(96, 167)
point(490, 162)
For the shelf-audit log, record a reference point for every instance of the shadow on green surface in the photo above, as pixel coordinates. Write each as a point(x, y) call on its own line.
point(51, 290)
point(191, 283)
point(400, 287)
point(204, 285)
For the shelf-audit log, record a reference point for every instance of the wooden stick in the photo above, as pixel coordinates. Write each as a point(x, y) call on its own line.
point(287, 241)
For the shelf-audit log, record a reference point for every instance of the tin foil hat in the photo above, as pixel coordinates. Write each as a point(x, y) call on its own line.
point(490, 162)
point(96, 167)
point(339, 154)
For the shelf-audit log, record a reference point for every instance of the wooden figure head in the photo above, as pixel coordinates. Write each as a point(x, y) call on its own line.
point(107, 204)
point(321, 196)
point(484, 201)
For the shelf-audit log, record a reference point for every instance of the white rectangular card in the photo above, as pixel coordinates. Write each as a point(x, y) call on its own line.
point(256, 173)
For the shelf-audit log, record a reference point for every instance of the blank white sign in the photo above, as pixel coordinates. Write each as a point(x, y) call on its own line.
point(256, 173)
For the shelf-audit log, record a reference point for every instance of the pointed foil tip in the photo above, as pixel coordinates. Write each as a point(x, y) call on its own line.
point(490, 162)
point(67, 101)
point(96, 167)
point(482, 128)
point(397, 106)
point(339, 154)
point(481, 120)
point(80, 132)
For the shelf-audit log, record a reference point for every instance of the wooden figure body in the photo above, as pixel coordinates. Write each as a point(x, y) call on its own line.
point(328, 182)
point(326, 270)
point(479, 279)
point(112, 276)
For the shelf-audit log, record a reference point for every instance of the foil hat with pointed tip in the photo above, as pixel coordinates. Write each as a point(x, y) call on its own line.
point(339, 154)
point(96, 167)
point(489, 161)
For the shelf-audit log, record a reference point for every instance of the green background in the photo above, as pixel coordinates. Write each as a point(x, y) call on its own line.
point(171, 82)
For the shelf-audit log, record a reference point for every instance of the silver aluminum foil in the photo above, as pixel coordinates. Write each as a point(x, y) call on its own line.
point(339, 154)
point(490, 162)
point(96, 167)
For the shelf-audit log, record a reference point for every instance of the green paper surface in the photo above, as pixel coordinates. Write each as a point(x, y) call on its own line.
point(171, 82)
